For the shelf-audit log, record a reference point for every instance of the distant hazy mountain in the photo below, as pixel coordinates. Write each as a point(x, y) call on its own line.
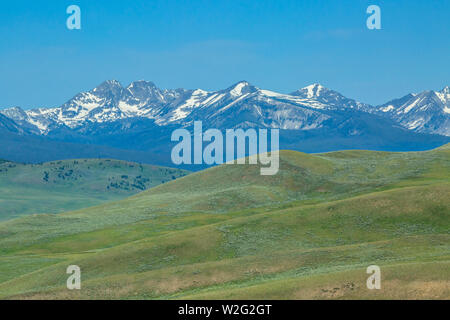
point(141, 117)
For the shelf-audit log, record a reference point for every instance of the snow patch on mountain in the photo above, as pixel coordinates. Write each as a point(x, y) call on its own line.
point(238, 88)
point(183, 110)
point(388, 108)
point(313, 90)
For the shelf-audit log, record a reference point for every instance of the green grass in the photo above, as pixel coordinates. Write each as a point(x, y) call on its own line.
point(59, 186)
point(228, 232)
point(414, 280)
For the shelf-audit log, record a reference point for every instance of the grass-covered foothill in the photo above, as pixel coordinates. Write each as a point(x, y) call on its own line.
point(59, 186)
point(227, 232)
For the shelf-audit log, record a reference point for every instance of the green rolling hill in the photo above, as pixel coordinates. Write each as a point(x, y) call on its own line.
point(65, 185)
point(227, 232)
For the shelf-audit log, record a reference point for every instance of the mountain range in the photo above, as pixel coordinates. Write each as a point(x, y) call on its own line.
point(140, 118)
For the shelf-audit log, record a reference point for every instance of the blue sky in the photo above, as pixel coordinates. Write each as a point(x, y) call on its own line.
point(210, 44)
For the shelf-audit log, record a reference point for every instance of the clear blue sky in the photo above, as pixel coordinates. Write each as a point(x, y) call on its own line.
point(210, 44)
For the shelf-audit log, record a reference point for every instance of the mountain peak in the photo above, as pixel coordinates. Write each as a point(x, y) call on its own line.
point(313, 90)
point(113, 83)
point(141, 84)
point(146, 91)
point(108, 85)
point(446, 90)
point(15, 113)
point(240, 88)
point(15, 108)
point(314, 86)
point(109, 89)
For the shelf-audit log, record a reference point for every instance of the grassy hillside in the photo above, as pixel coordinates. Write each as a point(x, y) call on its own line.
point(73, 184)
point(227, 232)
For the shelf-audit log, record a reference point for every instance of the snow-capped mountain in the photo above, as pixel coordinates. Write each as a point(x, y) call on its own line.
point(6, 124)
point(136, 122)
point(427, 112)
point(106, 103)
point(242, 105)
point(324, 98)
